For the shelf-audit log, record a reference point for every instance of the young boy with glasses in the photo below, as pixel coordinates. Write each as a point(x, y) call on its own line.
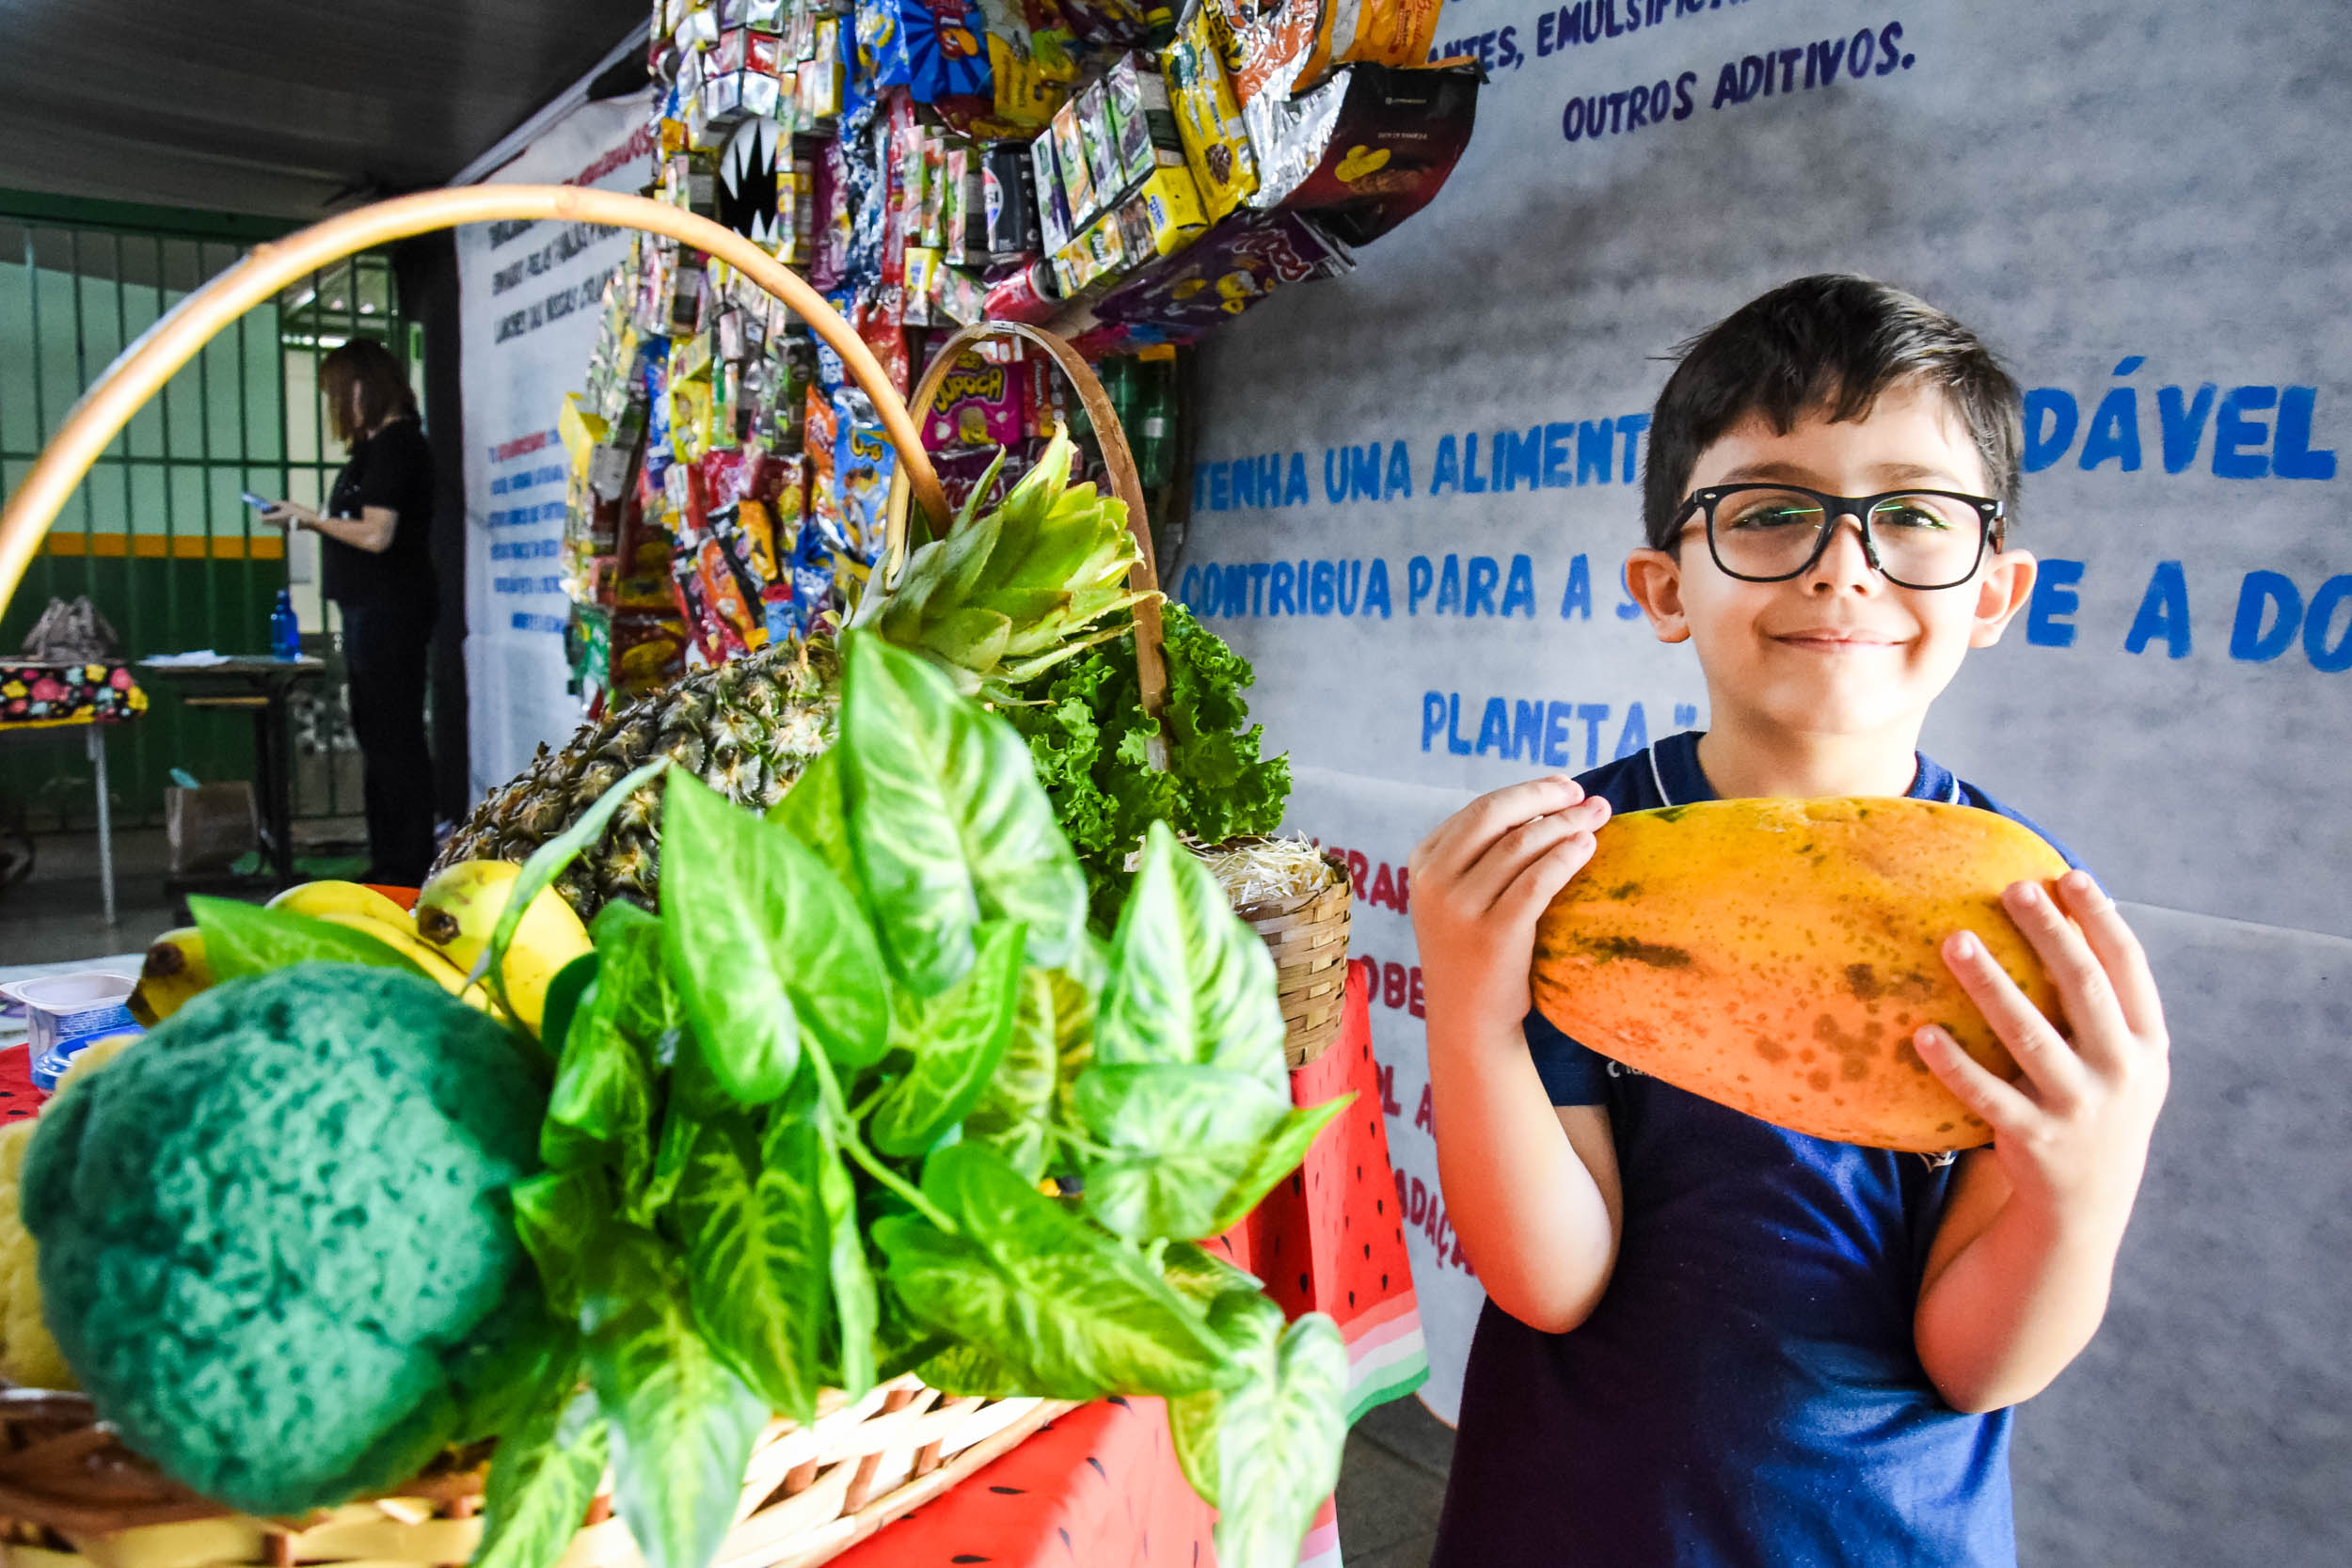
point(1710, 1341)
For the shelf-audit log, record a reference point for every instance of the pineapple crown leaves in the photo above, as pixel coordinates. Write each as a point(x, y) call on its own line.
point(1009, 594)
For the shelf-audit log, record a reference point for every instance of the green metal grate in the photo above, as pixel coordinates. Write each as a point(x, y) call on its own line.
point(157, 536)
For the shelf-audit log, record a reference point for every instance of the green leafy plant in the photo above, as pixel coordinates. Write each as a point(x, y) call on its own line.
point(1091, 745)
point(867, 1096)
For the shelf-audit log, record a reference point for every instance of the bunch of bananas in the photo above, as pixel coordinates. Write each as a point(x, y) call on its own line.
point(443, 937)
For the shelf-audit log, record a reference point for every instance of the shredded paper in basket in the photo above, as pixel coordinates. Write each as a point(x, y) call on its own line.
point(1260, 870)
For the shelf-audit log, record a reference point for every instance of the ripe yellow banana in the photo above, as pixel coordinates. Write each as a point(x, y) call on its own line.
point(175, 970)
point(437, 969)
point(320, 899)
point(460, 907)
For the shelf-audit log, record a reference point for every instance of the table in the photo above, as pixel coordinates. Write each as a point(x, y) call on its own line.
point(42, 696)
point(261, 687)
point(1099, 1486)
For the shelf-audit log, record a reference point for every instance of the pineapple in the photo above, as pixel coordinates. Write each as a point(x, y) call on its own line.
point(996, 602)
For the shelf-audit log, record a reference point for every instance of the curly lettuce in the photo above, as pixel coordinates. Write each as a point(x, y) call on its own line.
point(1090, 741)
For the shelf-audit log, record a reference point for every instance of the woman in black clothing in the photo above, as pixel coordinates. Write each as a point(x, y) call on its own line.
point(377, 565)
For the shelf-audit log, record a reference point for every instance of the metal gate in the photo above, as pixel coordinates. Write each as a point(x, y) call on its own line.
point(157, 536)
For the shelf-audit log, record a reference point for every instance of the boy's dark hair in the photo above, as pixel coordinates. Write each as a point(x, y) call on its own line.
point(1831, 343)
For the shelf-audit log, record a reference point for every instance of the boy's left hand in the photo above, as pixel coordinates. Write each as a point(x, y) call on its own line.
point(2072, 1133)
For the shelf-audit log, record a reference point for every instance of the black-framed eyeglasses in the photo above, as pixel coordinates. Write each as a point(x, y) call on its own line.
point(1916, 538)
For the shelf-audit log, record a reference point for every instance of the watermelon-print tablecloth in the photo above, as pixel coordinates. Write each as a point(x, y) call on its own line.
point(39, 695)
point(1098, 1488)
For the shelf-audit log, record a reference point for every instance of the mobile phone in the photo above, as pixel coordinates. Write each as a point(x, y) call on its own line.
point(255, 501)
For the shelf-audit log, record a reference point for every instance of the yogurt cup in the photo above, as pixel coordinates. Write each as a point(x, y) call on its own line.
point(66, 1012)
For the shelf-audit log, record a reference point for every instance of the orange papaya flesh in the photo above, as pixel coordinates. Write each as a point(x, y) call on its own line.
point(1776, 955)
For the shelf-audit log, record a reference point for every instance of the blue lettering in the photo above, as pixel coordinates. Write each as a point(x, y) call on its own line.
point(1220, 494)
point(1474, 483)
point(1432, 717)
point(2291, 454)
point(2328, 661)
point(1363, 472)
point(1445, 471)
point(2163, 612)
point(1278, 598)
point(1257, 587)
point(2051, 416)
point(1449, 586)
point(1592, 714)
point(2237, 441)
point(1294, 492)
point(1244, 482)
point(1577, 598)
point(2114, 432)
point(1453, 741)
point(1595, 439)
point(1519, 592)
point(1559, 453)
point(1557, 718)
point(1399, 480)
point(2049, 618)
point(1334, 476)
point(1200, 486)
point(1630, 426)
point(1418, 577)
point(1320, 594)
point(1479, 599)
point(2248, 640)
point(1494, 729)
point(2183, 427)
point(1634, 735)
point(1520, 458)
point(1376, 588)
point(1527, 729)
point(1348, 583)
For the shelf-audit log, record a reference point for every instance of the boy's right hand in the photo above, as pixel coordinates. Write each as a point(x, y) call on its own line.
point(1480, 881)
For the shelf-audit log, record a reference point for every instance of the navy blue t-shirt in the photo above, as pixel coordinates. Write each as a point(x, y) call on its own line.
point(1747, 1393)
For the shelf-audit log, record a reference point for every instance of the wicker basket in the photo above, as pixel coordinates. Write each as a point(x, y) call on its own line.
point(71, 1495)
point(1307, 933)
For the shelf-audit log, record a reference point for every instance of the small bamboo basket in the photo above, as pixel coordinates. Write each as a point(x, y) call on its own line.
point(72, 1496)
point(1307, 933)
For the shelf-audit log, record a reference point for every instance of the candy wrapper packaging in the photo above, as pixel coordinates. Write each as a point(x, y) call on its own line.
point(1208, 116)
point(647, 650)
point(1366, 150)
point(881, 45)
point(1052, 195)
point(1100, 138)
point(1231, 268)
point(958, 298)
point(946, 52)
point(980, 403)
point(864, 464)
point(1070, 157)
point(1288, 49)
point(1143, 120)
point(1163, 216)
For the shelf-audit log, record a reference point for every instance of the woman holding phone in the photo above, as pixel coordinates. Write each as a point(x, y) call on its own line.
point(375, 565)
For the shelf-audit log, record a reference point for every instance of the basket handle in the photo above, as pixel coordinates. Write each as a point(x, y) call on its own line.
point(1126, 483)
point(141, 370)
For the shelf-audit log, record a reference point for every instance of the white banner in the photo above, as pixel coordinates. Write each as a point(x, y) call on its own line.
point(1416, 484)
point(531, 298)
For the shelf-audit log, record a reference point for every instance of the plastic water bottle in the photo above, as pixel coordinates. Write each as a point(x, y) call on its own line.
point(285, 632)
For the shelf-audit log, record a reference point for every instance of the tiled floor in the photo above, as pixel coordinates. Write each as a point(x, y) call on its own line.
point(1391, 1482)
point(57, 915)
